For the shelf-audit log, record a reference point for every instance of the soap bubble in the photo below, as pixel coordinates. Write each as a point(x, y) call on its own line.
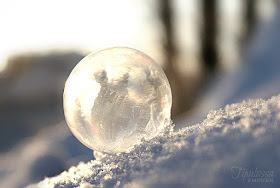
point(114, 98)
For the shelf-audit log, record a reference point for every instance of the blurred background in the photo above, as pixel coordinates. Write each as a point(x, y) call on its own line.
point(198, 43)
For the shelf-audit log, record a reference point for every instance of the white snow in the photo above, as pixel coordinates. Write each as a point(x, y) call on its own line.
point(244, 135)
point(51, 151)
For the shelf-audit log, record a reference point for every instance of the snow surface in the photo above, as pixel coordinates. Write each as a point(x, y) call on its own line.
point(244, 135)
point(48, 153)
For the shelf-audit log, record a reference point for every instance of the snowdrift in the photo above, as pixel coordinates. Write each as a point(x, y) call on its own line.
point(234, 146)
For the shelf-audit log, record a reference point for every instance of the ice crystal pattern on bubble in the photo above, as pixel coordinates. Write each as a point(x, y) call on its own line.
point(116, 97)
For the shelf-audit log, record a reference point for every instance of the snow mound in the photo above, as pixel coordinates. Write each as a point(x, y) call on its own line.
point(222, 151)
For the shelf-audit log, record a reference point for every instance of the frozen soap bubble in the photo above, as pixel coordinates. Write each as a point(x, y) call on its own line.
point(114, 98)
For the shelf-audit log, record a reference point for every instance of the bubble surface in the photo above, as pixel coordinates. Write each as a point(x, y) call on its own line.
point(114, 98)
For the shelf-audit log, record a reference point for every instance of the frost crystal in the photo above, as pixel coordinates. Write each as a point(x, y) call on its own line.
point(116, 97)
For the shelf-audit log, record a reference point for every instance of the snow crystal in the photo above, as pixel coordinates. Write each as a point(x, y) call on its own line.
point(242, 136)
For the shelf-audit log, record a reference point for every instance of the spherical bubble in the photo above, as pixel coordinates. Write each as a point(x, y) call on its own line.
point(114, 98)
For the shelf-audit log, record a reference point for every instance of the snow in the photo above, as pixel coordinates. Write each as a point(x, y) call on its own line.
point(243, 135)
point(48, 153)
